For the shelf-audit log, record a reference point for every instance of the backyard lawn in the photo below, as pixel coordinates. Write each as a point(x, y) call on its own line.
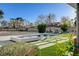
point(59, 45)
point(59, 49)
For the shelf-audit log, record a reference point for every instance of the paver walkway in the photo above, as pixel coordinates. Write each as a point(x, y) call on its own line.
point(46, 43)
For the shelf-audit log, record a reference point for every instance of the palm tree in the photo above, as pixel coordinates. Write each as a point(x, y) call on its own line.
point(19, 22)
point(12, 22)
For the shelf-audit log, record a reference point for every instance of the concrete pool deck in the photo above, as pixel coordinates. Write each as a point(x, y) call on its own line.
point(7, 37)
point(4, 40)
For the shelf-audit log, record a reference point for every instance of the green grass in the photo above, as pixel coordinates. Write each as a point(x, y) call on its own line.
point(65, 35)
point(56, 50)
point(60, 37)
point(59, 49)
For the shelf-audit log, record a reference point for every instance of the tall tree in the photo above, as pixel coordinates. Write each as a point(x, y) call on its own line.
point(66, 23)
point(50, 20)
point(41, 19)
point(66, 20)
point(1, 14)
point(12, 22)
point(4, 23)
point(19, 22)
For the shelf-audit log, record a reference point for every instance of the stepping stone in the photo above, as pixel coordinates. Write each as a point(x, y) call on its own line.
point(46, 45)
point(50, 44)
point(62, 41)
point(42, 43)
point(51, 41)
point(36, 42)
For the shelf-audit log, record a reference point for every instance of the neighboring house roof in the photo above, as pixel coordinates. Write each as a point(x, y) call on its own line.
point(55, 24)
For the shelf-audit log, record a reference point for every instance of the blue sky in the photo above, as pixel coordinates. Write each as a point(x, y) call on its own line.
point(30, 11)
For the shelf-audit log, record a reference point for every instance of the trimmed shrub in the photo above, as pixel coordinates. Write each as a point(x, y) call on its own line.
point(41, 28)
point(19, 49)
point(64, 27)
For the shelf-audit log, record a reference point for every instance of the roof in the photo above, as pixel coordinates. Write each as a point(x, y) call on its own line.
point(74, 5)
